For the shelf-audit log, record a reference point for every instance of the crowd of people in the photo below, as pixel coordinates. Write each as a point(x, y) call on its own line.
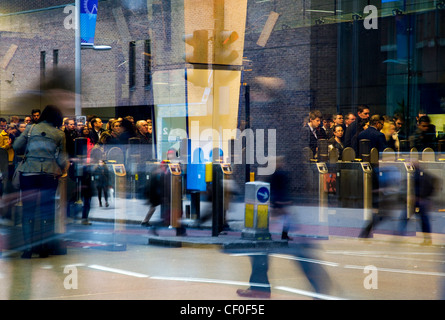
point(42, 148)
point(383, 131)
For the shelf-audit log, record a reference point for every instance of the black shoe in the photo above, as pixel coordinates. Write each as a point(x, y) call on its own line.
point(249, 293)
point(284, 236)
point(145, 224)
point(27, 254)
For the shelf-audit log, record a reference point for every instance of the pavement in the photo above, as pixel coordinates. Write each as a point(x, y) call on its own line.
point(310, 222)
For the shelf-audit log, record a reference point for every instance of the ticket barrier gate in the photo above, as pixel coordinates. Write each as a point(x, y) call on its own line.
point(171, 206)
point(354, 186)
point(437, 170)
point(221, 172)
point(400, 175)
point(119, 177)
point(322, 191)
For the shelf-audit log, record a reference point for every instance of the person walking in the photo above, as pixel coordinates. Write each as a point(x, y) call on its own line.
point(44, 149)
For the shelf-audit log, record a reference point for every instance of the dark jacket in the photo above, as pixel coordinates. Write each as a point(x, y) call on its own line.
point(376, 138)
point(46, 149)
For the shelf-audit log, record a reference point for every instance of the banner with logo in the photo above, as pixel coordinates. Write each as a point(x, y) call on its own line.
point(88, 17)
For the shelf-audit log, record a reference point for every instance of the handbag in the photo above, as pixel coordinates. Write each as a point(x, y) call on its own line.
point(16, 176)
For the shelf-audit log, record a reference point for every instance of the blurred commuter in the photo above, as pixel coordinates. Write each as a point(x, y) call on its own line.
point(85, 133)
point(389, 195)
point(101, 179)
point(27, 120)
point(111, 136)
point(35, 115)
point(86, 192)
point(97, 130)
point(354, 129)
point(145, 138)
point(399, 133)
point(327, 127)
point(142, 132)
point(310, 133)
point(424, 136)
point(304, 251)
point(338, 119)
point(45, 162)
point(14, 119)
point(425, 186)
point(389, 129)
point(350, 118)
point(128, 131)
point(154, 192)
point(71, 134)
point(376, 138)
point(280, 196)
point(337, 140)
point(4, 137)
point(21, 127)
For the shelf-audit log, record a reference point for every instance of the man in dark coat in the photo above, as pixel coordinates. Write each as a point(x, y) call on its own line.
point(355, 127)
point(376, 138)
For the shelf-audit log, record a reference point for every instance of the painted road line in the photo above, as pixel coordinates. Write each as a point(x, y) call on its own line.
point(416, 272)
point(290, 257)
point(309, 293)
point(120, 271)
point(206, 280)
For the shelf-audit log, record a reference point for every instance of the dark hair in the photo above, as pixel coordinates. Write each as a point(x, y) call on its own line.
point(35, 111)
point(127, 125)
point(424, 119)
point(376, 119)
point(52, 115)
point(362, 108)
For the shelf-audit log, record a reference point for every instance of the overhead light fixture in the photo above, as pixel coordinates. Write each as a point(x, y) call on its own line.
point(95, 47)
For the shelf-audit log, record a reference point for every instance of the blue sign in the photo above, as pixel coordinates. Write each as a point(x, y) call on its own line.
point(88, 17)
point(263, 194)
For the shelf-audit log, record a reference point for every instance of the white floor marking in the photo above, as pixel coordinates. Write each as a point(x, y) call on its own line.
point(120, 271)
point(308, 293)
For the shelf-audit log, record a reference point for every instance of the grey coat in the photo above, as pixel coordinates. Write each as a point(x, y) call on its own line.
point(45, 149)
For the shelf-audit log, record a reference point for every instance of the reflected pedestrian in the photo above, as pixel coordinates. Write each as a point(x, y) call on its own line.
point(101, 178)
point(425, 186)
point(44, 148)
point(86, 191)
point(280, 199)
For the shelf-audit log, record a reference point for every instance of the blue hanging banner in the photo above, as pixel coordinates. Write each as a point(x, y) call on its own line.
point(88, 17)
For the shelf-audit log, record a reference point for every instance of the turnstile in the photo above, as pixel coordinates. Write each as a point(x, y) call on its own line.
point(437, 170)
point(221, 172)
point(354, 185)
point(401, 176)
point(171, 206)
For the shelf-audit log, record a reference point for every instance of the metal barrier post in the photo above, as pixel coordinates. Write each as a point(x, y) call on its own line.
point(119, 214)
point(322, 194)
point(220, 171)
point(410, 189)
point(256, 215)
point(367, 190)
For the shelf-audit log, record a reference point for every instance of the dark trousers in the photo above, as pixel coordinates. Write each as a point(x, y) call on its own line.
point(38, 189)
